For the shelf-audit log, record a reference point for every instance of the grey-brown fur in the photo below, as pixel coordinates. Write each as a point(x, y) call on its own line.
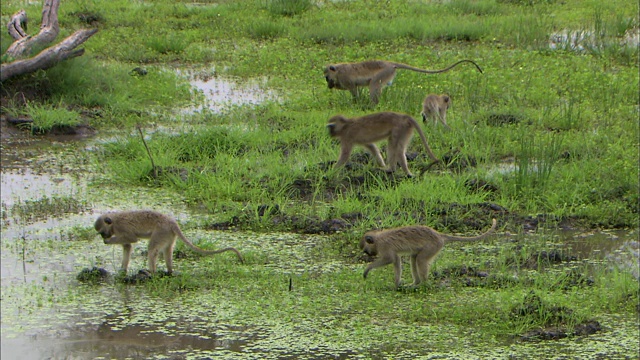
point(372, 73)
point(127, 227)
point(435, 107)
point(422, 243)
point(366, 130)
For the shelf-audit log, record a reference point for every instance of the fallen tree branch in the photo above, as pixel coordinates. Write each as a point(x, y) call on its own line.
point(23, 44)
point(48, 57)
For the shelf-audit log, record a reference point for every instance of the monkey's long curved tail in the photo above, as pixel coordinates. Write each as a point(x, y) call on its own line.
point(208, 252)
point(472, 238)
point(423, 138)
point(408, 67)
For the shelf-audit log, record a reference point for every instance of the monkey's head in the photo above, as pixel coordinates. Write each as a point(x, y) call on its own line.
point(330, 75)
point(104, 226)
point(368, 244)
point(336, 125)
point(446, 99)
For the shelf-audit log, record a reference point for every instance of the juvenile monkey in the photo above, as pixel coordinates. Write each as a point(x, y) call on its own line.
point(435, 107)
point(365, 130)
point(422, 243)
point(126, 227)
point(372, 73)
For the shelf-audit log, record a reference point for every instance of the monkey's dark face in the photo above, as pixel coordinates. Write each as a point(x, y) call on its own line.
point(368, 245)
point(336, 125)
point(330, 76)
point(105, 230)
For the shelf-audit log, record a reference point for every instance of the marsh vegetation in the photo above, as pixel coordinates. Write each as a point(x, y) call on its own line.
point(231, 101)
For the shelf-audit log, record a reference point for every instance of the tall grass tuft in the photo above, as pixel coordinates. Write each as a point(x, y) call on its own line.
point(263, 30)
point(288, 7)
point(535, 160)
point(46, 117)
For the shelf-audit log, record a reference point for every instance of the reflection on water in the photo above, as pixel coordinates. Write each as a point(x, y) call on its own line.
point(220, 92)
point(621, 247)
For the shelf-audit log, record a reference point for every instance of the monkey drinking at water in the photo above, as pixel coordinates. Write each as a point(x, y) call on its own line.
point(373, 73)
point(126, 227)
point(422, 243)
point(365, 130)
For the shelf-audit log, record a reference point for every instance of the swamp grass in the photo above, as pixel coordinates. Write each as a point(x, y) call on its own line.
point(554, 132)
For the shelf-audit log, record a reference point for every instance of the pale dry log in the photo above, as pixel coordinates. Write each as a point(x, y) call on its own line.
point(23, 44)
point(48, 32)
point(18, 20)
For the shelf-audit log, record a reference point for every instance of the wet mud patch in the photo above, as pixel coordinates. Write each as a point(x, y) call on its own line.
point(554, 320)
point(293, 223)
point(94, 275)
point(471, 277)
point(20, 126)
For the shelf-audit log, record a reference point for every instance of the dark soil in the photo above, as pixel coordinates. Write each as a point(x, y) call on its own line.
point(554, 320)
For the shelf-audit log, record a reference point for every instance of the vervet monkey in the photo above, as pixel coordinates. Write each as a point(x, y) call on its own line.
point(126, 227)
point(372, 73)
point(365, 130)
point(435, 107)
point(422, 243)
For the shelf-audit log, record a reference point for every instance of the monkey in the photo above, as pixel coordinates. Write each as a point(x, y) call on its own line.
point(126, 227)
point(373, 73)
point(397, 128)
point(435, 107)
point(422, 243)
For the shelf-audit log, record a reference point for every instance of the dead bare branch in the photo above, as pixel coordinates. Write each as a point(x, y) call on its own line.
point(23, 44)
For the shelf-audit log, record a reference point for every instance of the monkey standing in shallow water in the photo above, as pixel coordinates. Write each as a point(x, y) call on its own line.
point(373, 73)
point(422, 243)
point(365, 130)
point(126, 227)
point(435, 107)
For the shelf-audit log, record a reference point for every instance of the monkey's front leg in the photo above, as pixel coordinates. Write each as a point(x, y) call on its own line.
point(377, 263)
point(127, 249)
point(345, 152)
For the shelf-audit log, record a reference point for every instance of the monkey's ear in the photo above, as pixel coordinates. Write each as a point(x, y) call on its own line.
point(332, 68)
point(369, 239)
point(107, 220)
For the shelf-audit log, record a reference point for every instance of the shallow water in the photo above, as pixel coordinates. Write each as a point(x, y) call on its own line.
point(221, 92)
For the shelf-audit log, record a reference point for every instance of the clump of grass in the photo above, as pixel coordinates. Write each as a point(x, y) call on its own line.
point(263, 30)
point(288, 7)
point(47, 117)
point(535, 161)
point(165, 44)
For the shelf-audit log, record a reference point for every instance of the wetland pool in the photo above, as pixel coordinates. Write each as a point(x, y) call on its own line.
point(48, 314)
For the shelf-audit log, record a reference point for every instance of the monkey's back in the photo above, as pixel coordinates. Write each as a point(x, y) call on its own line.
point(409, 239)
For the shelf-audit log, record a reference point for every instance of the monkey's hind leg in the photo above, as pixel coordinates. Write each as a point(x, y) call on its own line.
point(373, 149)
point(382, 78)
point(424, 259)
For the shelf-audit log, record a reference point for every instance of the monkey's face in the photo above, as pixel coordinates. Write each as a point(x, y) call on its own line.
point(330, 76)
point(104, 227)
point(368, 245)
point(335, 126)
